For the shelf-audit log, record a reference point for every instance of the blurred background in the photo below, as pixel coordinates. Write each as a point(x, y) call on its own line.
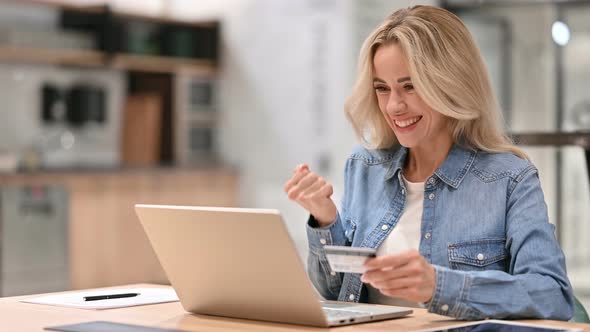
point(104, 104)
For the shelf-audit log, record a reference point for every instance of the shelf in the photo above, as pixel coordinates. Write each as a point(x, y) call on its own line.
point(103, 27)
point(90, 58)
point(151, 63)
point(581, 139)
point(559, 138)
point(102, 8)
point(202, 118)
point(52, 56)
point(163, 19)
point(94, 9)
point(58, 175)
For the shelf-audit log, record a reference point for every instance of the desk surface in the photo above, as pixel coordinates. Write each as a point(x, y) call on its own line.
point(17, 316)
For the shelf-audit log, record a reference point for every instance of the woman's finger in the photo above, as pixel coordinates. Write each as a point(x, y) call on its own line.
point(408, 270)
point(301, 167)
point(310, 192)
point(397, 283)
point(301, 185)
point(324, 192)
point(401, 293)
point(392, 261)
point(300, 173)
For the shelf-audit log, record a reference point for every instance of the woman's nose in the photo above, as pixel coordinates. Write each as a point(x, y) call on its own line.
point(395, 105)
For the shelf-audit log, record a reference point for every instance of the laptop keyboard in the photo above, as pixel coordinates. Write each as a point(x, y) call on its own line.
point(343, 313)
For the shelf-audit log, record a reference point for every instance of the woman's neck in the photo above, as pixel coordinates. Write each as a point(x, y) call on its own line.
point(422, 161)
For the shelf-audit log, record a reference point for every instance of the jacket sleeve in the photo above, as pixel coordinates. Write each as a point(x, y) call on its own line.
point(536, 285)
point(338, 233)
point(327, 283)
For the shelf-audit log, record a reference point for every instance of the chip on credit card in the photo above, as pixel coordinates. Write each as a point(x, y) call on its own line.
point(348, 259)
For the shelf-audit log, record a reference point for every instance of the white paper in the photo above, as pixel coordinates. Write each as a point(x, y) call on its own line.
point(76, 299)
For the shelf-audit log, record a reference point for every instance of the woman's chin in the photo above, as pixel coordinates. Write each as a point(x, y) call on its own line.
point(407, 143)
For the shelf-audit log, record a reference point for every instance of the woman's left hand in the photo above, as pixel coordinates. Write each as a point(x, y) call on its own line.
point(407, 275)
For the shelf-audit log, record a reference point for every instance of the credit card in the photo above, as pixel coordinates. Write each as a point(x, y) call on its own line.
point(348, 259)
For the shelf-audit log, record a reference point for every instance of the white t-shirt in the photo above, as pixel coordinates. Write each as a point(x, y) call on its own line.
point(403, 237)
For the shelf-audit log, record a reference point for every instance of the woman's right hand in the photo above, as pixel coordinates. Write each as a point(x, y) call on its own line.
point(313, 193)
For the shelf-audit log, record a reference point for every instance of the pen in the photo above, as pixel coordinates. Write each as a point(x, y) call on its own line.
point(107, 297)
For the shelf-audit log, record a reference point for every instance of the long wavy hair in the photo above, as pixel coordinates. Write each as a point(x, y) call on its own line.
point(448, 73)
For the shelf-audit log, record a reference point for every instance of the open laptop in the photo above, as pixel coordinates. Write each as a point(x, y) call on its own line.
point(242, 263)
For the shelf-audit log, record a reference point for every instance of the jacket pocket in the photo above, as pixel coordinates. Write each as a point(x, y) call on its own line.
point(478, 255)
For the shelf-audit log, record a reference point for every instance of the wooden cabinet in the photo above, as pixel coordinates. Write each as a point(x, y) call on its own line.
point(107, 245)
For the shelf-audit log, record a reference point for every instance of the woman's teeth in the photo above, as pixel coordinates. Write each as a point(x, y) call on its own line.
point(405, 123)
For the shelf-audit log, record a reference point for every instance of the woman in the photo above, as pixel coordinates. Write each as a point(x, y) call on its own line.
point(455, 209)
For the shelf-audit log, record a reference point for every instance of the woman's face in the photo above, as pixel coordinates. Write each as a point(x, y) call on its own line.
point(414, 123)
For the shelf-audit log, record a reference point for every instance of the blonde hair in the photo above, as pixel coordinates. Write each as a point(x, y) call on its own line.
point(447, 72)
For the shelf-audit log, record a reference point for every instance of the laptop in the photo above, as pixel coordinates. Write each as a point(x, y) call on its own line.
point(242, 263)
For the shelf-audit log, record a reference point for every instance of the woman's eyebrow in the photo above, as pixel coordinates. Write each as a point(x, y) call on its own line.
point(401, 80)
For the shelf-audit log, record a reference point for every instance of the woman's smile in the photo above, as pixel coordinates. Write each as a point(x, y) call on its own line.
point(407, 125)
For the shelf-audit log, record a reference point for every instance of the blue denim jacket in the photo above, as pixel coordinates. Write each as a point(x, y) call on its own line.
point(484, 228)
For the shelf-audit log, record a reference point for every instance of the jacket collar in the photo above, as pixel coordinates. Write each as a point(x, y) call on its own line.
point(452, 171)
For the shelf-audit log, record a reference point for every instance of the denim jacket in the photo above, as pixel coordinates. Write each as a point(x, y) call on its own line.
point(484, 228)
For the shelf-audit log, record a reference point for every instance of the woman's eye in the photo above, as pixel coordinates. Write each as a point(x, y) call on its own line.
point(380, 88)
point(409, 87)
